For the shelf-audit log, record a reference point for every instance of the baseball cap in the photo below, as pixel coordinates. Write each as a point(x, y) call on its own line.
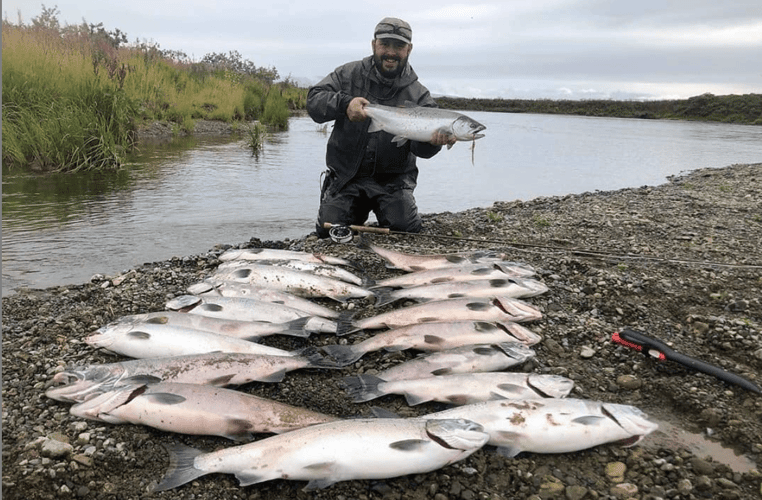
point(391, 27)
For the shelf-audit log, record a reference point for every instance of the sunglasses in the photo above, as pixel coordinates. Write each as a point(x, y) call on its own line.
point(392, 29)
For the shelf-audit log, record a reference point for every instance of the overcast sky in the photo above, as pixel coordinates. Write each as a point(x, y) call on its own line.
point(573, 49)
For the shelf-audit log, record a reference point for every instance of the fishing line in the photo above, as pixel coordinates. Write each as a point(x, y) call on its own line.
point(345, 230)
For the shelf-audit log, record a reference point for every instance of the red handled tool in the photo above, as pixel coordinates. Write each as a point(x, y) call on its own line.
point(658, 349)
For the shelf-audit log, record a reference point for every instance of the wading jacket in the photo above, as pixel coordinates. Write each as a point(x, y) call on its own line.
point(329, 99)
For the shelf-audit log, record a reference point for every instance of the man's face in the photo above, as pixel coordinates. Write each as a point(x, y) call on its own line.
point(391, 56)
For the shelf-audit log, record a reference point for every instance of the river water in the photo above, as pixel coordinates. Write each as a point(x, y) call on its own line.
point(183, 198)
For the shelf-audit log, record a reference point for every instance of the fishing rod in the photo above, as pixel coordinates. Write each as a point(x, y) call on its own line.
point(341, 233)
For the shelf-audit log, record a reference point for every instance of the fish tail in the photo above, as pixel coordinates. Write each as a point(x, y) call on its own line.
point(345, 325)
point(297, 327)
point(384, 296)
point(364, 241)
point(367, 281)
point(363, 387)
point(343, 355)
point(317, 360)
point(181, 467)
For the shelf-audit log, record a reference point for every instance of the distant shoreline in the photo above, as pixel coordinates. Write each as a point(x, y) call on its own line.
point(740, 109)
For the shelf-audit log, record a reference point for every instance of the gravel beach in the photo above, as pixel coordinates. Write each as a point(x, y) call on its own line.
point(681, 262)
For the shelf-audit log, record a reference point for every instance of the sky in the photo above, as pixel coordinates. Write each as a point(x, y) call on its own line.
point(525, 49)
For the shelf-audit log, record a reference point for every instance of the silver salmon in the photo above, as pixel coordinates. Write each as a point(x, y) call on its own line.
point(197, 410)
point(321, 269)
point(495, 309)
point(228, 327)
point(151, 340)
point(246, 309)
point(434, 336)
point(297, 282)
point(462, 388)
point(554, 425)
point(214, 288)
point(325, 454)
point(515, 288)
point(277, 254)
point(415, 262)
point(215, 368)
point(466, 359)
point(465, 272)
point(418, 123)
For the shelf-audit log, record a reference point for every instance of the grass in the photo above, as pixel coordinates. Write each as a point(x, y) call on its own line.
point(254, 136)
point(74, 97)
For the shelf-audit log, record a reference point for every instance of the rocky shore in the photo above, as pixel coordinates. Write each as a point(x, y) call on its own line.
point(681, 261)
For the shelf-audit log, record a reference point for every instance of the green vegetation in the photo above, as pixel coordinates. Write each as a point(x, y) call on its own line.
point(74, 96)
point(494, 216)
point(743, 109)
point(255, 135)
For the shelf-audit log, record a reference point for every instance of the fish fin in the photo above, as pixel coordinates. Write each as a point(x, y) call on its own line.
point(363, 387)
point(181, 467)
point(221, 380)
point(442, 371)
point(247, 479)
point(317, 360)
point(165, 398)
point(320, 466)
point(238, 429)
point(345, 325)
point(444, 279)
point(459, 399)
point(344, 355)
point(158, 320)
point(384, 296)
point(140, 380)
point(508, 451)
point(296, 327)
point(589, 420)
point(449, 146)
point(318, 484)
point(379, 412)
point(399, 140)
point(432, 319)
point(433, 339)
point(274, 377)
point(367, 281)
point(409, 444)
point(138, 335)
point(375, 126)
point(509, 388)
point(414, 399)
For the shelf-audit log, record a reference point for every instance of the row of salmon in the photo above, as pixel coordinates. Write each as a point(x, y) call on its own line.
point(466, 321)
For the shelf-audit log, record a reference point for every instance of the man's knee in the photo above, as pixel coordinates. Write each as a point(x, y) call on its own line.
point(400, 213)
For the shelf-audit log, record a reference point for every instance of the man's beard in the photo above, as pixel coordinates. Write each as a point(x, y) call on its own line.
point(389, 74)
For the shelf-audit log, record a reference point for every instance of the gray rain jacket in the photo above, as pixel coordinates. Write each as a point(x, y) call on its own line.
point(329, 99)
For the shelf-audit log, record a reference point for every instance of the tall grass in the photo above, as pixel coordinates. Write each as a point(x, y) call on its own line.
point(73, 98)
point(57, 113)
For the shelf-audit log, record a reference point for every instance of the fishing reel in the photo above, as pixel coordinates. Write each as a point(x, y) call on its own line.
point(340, 234)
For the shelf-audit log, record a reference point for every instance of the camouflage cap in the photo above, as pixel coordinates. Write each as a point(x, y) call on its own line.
point(391, 27)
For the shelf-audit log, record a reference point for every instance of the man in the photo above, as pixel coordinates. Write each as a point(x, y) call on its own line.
point(367, 171)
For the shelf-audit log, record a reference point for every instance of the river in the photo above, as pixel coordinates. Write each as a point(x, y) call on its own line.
point(185, 197)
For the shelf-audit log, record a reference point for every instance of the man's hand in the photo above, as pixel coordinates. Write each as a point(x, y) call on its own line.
point(443, 139)
point(356, 109)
